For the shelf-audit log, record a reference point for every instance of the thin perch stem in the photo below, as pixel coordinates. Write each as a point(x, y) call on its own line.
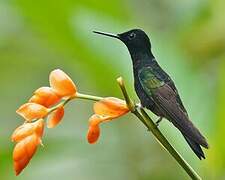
point(164, 142)
point(130, 103)
point(143, 116)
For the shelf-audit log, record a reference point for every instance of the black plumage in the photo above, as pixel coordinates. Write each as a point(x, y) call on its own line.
point(156, 90)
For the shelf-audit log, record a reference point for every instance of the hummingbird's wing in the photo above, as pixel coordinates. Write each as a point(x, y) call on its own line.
point(166, 99)
point(163, 76)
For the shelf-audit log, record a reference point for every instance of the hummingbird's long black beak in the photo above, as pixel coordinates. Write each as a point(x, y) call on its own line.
point(107, 34)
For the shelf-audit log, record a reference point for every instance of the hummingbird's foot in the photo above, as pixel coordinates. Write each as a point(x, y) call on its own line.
point(138, 105)
point(158, 121)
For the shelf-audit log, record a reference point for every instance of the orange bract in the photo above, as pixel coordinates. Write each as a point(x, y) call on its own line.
point(22, 131)
point(45, 96)
point(62, 83)
point(24, 151)
point(93, 134)
point(55, 117)
point(94, 129)
point(30, 111)
point(39, 127)
point(111, 106)
point(28, 129)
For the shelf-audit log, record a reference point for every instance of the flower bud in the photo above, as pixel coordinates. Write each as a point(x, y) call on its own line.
point(62, 83)
point(31, 111)
point(45, 96)
point(24, 151)
point(55, 117)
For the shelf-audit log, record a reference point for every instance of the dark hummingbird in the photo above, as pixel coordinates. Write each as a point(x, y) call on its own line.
point(156, 90)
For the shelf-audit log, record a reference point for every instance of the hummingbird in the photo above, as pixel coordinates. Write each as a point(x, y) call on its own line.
point(156, 90)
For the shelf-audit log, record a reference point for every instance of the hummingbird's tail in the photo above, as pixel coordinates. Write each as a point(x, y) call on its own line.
point(195, 147)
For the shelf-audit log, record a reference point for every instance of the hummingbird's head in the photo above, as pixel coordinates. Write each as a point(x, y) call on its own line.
point(136, 40)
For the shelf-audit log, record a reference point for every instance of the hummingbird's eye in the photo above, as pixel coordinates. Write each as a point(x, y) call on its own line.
point(132, 35)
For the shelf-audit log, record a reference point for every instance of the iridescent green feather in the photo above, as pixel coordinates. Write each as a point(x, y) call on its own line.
point(148, 80)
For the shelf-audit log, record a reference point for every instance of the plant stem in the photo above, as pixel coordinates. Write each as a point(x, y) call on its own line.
point(63, 103)
point(130, 103)
point(164, 142)
point(78, 95)
point(89, 97)
point(143, 116)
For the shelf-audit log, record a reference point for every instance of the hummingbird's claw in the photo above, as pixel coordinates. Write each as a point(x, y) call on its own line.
point(138, 105)
point(158, 121)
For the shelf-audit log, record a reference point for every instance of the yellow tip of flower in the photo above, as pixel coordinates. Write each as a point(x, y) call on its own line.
point(120, 80)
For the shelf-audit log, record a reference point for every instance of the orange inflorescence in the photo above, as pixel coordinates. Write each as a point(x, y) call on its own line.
point(56, 117)
point(28, 137)
point(106, 109)
point(45, 96)
point(62, 83)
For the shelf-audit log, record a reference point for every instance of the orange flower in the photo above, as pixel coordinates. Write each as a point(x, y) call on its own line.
point(28, 129)
point(105, 110)
point(24, 151)
point(62, 83)
point(31, 111)
point(94, 129)
point(45, 96)
point(111, 106)
point(55, 117)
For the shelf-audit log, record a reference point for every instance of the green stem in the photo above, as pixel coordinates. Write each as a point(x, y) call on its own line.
point(78, 95)
point(88, 97)
point(164, 142)
point(63, 103)
point(143, 116)
point(130, 103)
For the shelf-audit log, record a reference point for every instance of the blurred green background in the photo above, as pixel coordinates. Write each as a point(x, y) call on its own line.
point(188, 39)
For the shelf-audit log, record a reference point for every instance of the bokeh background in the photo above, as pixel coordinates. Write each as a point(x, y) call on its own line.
point(188, 39)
